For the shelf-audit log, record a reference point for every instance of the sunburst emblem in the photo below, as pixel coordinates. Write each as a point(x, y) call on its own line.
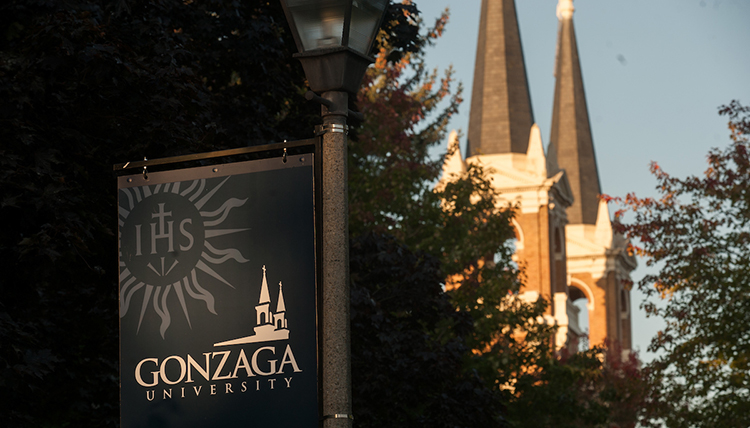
point(164, 234)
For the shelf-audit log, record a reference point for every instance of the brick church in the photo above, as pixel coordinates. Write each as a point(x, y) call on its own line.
point(564, 235)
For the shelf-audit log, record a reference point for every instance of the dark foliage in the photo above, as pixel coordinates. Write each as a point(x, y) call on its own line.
point(596, 388)
point(86, 84)
point(408, 344)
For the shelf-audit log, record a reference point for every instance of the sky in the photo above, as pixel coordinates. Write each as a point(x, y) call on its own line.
point(655, 73)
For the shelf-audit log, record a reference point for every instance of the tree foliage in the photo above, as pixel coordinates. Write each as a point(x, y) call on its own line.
point(592, 388)
point(408, 368)
point(86, 84)
point(393, 175)
point(696, 233)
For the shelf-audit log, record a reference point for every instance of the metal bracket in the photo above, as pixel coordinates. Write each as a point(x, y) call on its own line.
point(145, 169)
point(339, 416)
point(335, 128)
point(312, 96)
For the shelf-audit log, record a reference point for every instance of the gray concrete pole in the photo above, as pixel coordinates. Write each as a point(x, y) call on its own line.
point(337, 378)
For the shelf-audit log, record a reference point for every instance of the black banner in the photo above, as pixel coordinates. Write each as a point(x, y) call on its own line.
point(218, 296)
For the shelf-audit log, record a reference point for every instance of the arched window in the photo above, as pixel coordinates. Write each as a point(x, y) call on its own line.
point(575, 293)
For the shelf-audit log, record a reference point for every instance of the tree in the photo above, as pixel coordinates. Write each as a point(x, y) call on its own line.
point(462, 224)
point(392, 186)
point(89, 83)
point(592, 388)
point(408, 367)
point(392, 175)
point(86, 84)
point(393, 172)
point(696, 233)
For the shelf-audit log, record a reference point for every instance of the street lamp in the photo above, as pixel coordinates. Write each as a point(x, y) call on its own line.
point(334, 38)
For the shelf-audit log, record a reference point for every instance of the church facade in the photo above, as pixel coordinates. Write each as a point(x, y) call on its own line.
point(564, 237)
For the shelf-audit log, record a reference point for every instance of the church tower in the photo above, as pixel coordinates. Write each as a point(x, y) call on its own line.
point(597, 263)
point(504, 138)
point(565, 240)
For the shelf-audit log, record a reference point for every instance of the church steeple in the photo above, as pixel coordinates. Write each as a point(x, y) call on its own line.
point(281, 306)
point(264, 296)
point(501, 116)
point(263, 308)
point(571, 146)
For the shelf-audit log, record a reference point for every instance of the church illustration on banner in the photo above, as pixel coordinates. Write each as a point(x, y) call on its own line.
point(270, 326)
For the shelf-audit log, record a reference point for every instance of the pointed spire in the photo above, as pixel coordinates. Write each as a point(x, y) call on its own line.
point(535, 155)
point(280, 307)
point(501, 115)
point(571, 143)
point(264, 296)
point(454, 163)
point(603, 232)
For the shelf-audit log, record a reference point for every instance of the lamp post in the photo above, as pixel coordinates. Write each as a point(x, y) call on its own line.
point(334, 38)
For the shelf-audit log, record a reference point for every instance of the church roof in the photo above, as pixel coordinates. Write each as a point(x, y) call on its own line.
point(501, 115)
point(571, 146)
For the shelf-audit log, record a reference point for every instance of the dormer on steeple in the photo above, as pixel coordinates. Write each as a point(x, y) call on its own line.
point(501, 117)
point(454, 162)
point(535, 159)
point(603, 233)
point(571, 145)
point(454, 165)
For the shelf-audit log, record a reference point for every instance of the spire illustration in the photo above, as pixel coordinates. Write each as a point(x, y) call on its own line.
point(264, 296)
point(279, 318)
point(269, 326)
point(280, 307)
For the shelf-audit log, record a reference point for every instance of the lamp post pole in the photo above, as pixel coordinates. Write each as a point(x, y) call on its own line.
point(336, 373)
point(334, 38)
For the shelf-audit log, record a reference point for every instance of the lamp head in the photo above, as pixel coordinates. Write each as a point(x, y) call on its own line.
point(334, 38)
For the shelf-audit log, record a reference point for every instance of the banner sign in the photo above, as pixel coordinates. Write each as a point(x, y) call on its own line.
point(218, 296)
